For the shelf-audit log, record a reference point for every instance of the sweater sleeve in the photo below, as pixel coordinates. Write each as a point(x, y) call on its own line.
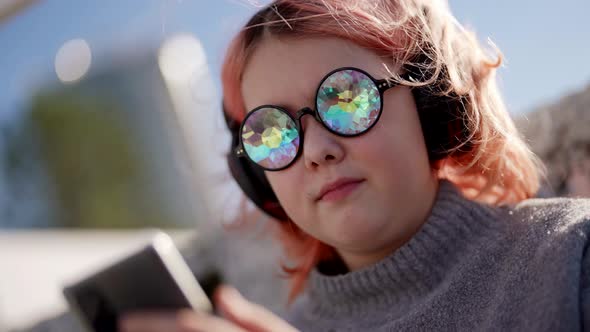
point(585, 308)
point(585, 290)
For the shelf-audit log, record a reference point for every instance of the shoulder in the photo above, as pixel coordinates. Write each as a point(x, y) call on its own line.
point(560, 228)
point(554, 214)
point(550, 227)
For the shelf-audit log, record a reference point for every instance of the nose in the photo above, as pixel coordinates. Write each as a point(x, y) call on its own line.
point(320, 147)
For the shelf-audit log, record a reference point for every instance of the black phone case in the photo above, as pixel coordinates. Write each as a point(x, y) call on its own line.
point(155, 278)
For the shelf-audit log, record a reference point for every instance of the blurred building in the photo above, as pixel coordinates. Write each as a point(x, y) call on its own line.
point(111, 149)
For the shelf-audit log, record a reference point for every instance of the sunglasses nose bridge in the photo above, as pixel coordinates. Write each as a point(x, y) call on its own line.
point(304, 111)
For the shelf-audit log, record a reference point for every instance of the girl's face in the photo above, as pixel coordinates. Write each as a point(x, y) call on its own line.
point(387, 186)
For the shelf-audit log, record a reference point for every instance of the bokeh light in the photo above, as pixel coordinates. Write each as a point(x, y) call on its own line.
point(179, 58)
point(73, 60)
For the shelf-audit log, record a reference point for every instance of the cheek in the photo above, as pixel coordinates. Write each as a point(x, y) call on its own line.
point(287, 185)
point(394, 150)
point(290, 187)
point(383, 160)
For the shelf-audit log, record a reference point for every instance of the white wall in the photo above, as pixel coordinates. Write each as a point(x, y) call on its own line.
point(35, 265)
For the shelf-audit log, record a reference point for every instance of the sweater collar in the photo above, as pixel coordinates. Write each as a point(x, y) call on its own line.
point(416, 268)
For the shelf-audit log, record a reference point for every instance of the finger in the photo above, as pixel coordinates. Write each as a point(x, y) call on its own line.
point(179, 321)
point(251, 316)
point(148, 321)
point(188, 321)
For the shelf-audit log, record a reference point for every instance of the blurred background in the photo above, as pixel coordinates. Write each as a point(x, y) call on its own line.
point(110, 127)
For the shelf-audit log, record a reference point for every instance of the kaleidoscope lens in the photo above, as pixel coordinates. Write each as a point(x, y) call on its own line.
point(348, 102)
point(270, 138)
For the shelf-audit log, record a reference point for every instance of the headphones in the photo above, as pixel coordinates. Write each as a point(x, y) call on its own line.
point(250, 178)
point(441, 119)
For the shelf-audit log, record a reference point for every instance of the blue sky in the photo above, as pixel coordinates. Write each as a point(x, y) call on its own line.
point(545, 43)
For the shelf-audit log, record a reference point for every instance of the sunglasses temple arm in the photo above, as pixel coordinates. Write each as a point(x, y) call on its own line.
point(239, 151)
point(384, 85)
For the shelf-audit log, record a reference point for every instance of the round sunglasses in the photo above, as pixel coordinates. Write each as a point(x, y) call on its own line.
point(348, 101)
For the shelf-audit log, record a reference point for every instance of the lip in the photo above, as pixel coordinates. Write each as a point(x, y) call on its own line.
point(338, 189)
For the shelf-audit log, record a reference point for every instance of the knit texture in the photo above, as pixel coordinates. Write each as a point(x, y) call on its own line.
point(470, 267)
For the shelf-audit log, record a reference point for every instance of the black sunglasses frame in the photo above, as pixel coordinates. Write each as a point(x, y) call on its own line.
point(382, 86)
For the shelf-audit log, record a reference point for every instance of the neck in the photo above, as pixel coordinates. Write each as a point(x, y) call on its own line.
point(357, 260)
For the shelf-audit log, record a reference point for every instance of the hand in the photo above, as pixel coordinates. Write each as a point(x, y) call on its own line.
point(240, 315)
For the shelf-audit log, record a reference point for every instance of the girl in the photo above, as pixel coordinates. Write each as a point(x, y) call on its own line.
point(374, 133)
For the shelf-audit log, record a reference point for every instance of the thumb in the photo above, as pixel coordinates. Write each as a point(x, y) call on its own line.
point(248, 315)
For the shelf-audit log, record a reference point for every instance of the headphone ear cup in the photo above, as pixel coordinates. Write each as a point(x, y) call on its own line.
point(254, 184)
point(442, 121)
point(251, 179)
point(442, 117)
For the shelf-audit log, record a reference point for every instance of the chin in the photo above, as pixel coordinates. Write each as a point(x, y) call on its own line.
point(357, 230)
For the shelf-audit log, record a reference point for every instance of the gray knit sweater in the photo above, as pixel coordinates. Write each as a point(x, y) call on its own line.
point(470, 267)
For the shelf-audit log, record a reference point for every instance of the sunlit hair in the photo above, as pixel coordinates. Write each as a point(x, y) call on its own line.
point(498, 167)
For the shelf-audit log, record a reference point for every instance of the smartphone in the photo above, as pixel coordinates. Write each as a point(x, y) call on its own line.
point(153, 278)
